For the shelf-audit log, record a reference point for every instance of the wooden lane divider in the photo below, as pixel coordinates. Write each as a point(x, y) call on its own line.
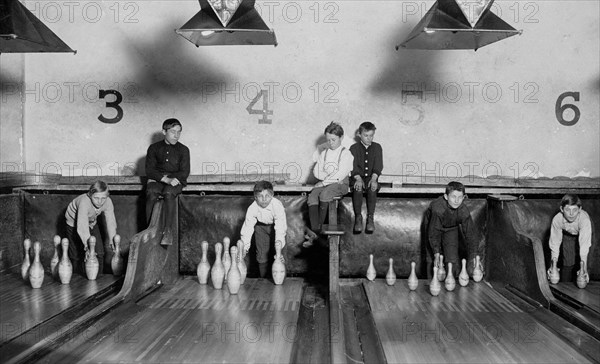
point(336, 321)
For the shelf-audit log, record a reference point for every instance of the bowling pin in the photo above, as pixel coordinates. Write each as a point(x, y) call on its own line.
point(116, 263)
point(91, 261)
point(441, 269)
point(36, 271)
point(226, 257)
point(371, 273)
point(217, 272)
point(390, 277)
point(26, 260)
point(463, 277)
point(450, 282)
point(478, 270)
point(241, 262)
point(553, 275)
point(55, 258)
point(582, 278)
point(278, 268)
point(233, 277)
point(434, 286)
point(204, 265)
point(413, 281)
point(65, 268)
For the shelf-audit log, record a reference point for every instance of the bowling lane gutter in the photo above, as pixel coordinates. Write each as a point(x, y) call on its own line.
point(577, 338)
point(43, 347)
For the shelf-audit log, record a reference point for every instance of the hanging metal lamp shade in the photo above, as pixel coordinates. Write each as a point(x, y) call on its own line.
point(458, 24)
point(23, 32)
point(227, 22)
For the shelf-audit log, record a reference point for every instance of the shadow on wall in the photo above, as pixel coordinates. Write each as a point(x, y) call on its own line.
point(140, 164)
point(168, 67)
point(595, 84)
point(405, 67)
point(319, 144)
point(10, 83)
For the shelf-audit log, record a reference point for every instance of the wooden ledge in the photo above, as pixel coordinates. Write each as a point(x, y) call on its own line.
point(330, 229)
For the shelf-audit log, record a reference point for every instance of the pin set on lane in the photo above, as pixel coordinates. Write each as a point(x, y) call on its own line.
point(440, 274)
point(61, 268)
point(553, 274)
point(230, 267)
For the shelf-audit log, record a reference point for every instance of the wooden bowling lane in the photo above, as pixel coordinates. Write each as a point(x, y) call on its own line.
point(23, 308)
point(472, 324)
point(190, 323)
point(589, 296)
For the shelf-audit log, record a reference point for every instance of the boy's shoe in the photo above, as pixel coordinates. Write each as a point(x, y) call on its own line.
point(370, 225)
point(358, 224)
point(310, 236)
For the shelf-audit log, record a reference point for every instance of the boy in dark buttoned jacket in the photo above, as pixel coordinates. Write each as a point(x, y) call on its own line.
point(368, 164)
point(167, 169)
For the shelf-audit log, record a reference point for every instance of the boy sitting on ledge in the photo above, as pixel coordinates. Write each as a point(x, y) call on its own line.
point(332, 170)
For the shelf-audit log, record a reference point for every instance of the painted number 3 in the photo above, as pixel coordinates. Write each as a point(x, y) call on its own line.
point(111, 104)
point(560, 109)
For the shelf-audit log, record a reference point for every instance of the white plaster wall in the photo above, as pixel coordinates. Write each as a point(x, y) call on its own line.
point(351, 61)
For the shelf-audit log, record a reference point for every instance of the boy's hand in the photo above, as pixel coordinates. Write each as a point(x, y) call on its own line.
point(583, 271)
point(373, 184)
point(319, 184)
point(278, 247)
point(436, 260)
point(170, 181)
point(359, 185)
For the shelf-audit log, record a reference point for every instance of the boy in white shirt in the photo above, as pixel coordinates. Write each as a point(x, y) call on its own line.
point(263, 217)
point(332, 170)
point(571, 227)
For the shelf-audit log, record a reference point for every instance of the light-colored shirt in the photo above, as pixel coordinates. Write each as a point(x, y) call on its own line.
point(582, 226)
point(333, 165)
point(274, 213)
point(82, 214)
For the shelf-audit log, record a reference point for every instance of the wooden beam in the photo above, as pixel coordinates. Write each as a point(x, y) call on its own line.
point(492, 181)
point(405, 190)
point(192, 179)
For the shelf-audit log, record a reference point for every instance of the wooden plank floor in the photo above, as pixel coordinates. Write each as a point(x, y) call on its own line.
point(192, 323)
point(472, 324)
point(589, 296)
point(22, 307)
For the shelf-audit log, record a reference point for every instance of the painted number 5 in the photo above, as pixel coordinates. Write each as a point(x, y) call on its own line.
point(112, 104)
point(560, 109)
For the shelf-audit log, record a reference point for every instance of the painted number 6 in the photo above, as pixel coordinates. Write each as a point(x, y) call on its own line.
point(112, 104)
point(559, 109)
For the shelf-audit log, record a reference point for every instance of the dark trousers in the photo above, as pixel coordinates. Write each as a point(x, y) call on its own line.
point(264, 240)
point(357, 198)
point(156, 189)
point(450, 243)
point(77, 251)
point(569, 256)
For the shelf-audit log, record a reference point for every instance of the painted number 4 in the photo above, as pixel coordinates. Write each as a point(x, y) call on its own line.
point(265, 107)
